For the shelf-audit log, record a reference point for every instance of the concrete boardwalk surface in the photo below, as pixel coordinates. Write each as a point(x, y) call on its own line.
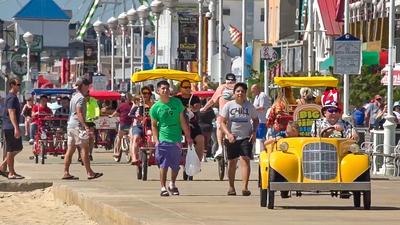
point(119, 198)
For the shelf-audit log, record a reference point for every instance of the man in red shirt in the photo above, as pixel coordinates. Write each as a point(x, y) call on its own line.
point(38, 111)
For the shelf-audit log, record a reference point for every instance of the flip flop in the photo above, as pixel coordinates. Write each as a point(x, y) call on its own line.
point(231, 192)
point(164, 193)
point(246, 193)
point(16, 177)
point(95, 175)
point(70, 177)
point(4, 174)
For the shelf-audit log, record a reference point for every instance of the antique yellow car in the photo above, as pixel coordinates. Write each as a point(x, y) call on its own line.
point(312, 164)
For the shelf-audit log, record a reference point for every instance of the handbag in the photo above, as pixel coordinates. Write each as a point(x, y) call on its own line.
point(192, 165)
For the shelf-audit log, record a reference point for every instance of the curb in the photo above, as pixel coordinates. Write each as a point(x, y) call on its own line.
point(23, 186)
point(103, 214)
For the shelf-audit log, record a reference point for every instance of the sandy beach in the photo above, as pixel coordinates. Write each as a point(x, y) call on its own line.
point(39, 207)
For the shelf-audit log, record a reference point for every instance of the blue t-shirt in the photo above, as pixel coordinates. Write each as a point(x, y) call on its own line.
point(359, 117)
point(10, 103)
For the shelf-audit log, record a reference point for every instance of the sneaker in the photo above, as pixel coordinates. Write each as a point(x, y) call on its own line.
point(31, 141)
point(164, 192)
point(173, 191)
point(218, 153)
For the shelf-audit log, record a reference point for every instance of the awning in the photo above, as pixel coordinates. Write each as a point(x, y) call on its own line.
point(325, 81)
point(328, 14)
point(105, 95)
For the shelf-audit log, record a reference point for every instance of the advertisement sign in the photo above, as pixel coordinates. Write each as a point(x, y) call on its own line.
point(90, 57)
point(149, 53)
point(305, 115)
point(187, 50)
point(99, 82)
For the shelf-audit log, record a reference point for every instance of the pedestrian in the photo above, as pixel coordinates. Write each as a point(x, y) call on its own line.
point(39, 111)
point(27, 113)
point(12, 135)
point(167, 123)
point(239, 122)
point(222, 95)
point(261, 103)
point(372, 111)
point(78, 131)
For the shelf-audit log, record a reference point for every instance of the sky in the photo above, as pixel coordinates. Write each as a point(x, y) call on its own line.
point(8, 8)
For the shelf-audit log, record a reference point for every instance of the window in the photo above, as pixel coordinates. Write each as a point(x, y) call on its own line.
point(262, 15)
point(226, 12)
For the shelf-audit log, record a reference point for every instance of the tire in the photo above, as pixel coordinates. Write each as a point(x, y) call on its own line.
point(221, 168)
point(144, 164)
point(42, 152)
point(185, 176)
point(271, 199)
point(263, 197)
point(36, 158)
point(139, 171)
point(117, 155)
point(357, 199)
point(367, 200)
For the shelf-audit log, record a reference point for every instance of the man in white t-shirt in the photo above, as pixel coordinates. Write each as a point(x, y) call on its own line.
point(396, 110)
point(261, 103)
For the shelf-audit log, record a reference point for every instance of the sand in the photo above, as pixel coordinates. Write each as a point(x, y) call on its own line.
point(39, 207)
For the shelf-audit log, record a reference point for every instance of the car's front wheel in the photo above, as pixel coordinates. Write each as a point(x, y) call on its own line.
point(271, 199)
point(263, 197)
point(357, 199)
point(367, 199)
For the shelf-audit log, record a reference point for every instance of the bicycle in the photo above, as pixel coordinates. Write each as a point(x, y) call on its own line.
point(124, 147)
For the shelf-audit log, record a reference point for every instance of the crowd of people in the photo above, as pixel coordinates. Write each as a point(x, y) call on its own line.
point(226, 119)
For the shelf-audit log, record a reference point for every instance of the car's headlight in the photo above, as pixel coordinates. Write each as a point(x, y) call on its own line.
point(284, 146)
point(354, 148)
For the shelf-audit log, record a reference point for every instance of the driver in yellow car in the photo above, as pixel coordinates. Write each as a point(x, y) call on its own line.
point(331, 125)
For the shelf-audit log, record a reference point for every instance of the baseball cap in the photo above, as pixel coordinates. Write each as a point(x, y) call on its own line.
point(397, 103)
point(230, 76)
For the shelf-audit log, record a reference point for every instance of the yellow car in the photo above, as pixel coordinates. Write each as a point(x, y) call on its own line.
point(312, 164)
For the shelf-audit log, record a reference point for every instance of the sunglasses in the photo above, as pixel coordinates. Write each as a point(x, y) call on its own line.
point(18, 84)
point(333, 110)
point(185, 87)
point(145, 93)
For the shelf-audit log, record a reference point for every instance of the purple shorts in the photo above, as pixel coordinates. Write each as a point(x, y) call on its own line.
point(168, 155)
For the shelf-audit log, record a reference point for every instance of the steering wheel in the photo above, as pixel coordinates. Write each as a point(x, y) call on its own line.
point(326, 130)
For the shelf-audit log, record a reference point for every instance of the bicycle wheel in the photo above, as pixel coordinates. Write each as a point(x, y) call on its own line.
point(43, 152)
point(221, 168)
point(117, 152)
point(144, 164)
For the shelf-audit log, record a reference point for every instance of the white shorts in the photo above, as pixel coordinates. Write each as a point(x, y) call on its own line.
point(74, 139)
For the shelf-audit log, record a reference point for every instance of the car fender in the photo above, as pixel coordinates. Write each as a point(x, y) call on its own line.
point(286, 164)
point(264, 162)
point(352, 166)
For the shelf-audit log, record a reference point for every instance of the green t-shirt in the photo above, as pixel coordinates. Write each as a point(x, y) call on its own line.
point(167, 116)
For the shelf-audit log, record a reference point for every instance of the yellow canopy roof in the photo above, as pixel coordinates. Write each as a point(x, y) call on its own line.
point(325, 81)
point(165, 74)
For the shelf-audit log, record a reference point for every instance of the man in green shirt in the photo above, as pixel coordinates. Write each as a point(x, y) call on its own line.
point(92, 113)
point(167, 123)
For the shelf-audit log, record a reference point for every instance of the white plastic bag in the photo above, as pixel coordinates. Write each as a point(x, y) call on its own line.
point(192, 165)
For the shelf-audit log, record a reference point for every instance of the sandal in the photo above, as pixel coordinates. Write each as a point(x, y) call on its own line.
point(231, 192)
point(174, 190)
point(70, 177)
point(246, 192)
point(95, 176)
point(16, 177)
point(164, 193)
point(4, 174)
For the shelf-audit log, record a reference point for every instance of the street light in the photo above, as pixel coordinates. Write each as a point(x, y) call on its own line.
point(99, 28)
point(132, 17)
point(28, 38)
point(123, 21)
point(112, 25)
point(2, 47)
point(220, 37)
point(143, 13)
point(200, 43)
point(156, 8)
point(170, 5)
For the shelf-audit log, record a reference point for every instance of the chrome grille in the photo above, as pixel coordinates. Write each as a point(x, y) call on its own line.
point(319, 161)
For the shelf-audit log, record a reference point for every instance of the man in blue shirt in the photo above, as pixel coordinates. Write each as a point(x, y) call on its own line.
point(12, 135)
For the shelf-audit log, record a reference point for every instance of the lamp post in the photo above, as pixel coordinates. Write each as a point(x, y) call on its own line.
point(243, 38)
point(200, 44)
point(346, 89)
point(389, 125)
point(211, 15)
point(99, 28)
point(143, 13)
point(123, 21)
point(170, 5)
point(28, 38)
point(266, 62)
point(156, 8)
point(310, 37)
point(112, 25)
point(132, 17)
point(2, 47)
point(220, 37)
